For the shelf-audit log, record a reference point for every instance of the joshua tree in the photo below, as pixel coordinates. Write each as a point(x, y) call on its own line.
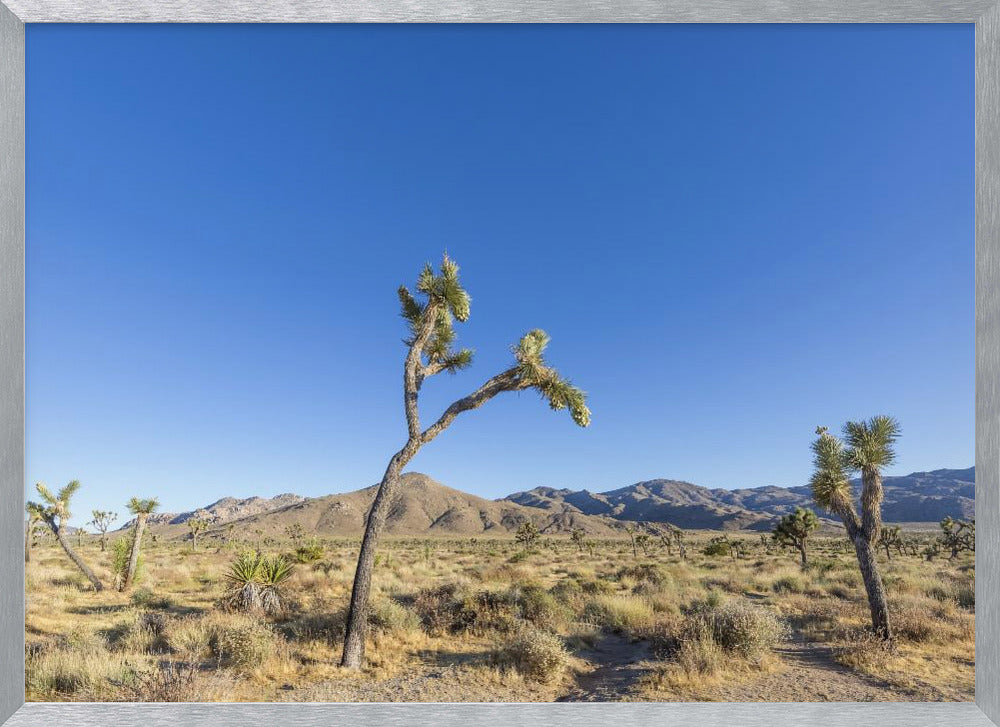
point(578, 537)
point(80, 532)
point(866, 447)
point(430, 352)
point(142, 509)
point(630, 529)
point(102, 523)
point(196, 525)
point(890, 538)
point(29, 532)
point(296, 532)
point(527, 534)
point(54, 512)
point(958, 535)
point(643, 541)
point(793, 530)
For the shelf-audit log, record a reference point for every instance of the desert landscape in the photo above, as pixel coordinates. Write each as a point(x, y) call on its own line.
point(542, 596)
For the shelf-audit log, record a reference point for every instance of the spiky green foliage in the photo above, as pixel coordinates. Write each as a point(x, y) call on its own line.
point(535, 373)
point(121, 550)
point(830, 486)
point(54, 508)
point(870, 443)
point(447, 302)
point(138, 506)
point(527, 534)
point(255, 583)
point(793, 529)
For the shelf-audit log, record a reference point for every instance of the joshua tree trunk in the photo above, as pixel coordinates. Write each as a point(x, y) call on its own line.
point(802, 552)
point(877, 601)
point(61, 537)
point(133, 559)
point(357, 615)
point(27, 541)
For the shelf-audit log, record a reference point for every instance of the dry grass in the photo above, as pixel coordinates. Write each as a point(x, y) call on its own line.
point(477, 619)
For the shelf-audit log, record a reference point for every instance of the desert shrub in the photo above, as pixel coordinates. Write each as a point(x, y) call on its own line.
point(865, 651)
point(167, 682)
point(741, 629)
point(643, 572)
point(596, 586)
point(388, 616)
point(537, 605)
point(717, 548)
point(618, 613)
point(965, 594)
point(309, 552)
point(698, 653)
point(67, 673)
point(440, 608)
point(142, 634)
point(535, 653)
point(912, 623)
point(788, 584)
point(567, 591)
point(145, 598)
point(242, 644)
point(326, 627)
point(190, 638)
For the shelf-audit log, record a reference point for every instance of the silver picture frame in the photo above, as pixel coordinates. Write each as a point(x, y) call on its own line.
point(985, 14)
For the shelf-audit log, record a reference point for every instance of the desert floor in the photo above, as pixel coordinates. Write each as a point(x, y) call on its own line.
point(486, 620)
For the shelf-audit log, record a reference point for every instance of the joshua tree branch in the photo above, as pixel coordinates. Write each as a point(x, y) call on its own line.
point(413, 375)
point(508, 380)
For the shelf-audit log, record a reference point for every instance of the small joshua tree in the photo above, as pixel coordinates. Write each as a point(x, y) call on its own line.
point(890, 539)
point(630, 529)
point(793, 530)
point(527, 534)
point(102, 523)
point(643, 540)
point(195, 526)
point(54, 512)
point(142, 509)
point(958, 535)
point(295, 532)
point(867, 447)
point(430, 352)
point(578, 537)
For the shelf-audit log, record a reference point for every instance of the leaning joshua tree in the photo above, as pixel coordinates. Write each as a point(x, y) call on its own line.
point(793, 530)
point(54, 512)
point(866, 447)
point(142, 509)
point(430, 352)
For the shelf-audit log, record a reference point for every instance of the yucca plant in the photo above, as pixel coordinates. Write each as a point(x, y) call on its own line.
point(244, 592)
point(274, 571)
point(256, 583)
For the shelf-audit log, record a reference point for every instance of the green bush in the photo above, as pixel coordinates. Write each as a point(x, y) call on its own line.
point(309, 552)
point(387, 616)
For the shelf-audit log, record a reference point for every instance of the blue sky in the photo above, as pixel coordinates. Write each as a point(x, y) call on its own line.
point(732, 234)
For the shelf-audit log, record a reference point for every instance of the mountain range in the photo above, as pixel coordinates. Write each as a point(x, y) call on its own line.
point(425, 506)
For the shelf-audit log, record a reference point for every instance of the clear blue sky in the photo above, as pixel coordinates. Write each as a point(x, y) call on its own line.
point(732, 234)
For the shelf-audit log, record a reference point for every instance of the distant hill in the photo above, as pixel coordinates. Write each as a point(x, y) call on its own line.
point(426, 507)
point(226, 510)
point(917, 497)
point(423, 507)
point(669, 501)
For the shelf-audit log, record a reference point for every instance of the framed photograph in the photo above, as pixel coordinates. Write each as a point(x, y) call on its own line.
point(522, 363)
